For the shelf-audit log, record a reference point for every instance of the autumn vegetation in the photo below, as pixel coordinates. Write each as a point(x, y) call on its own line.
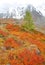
point(22, 45)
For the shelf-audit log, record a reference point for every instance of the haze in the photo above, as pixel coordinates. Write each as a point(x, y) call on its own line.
point(38, 4)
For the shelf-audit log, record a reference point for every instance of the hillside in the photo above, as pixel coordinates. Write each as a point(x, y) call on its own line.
point(18, 47)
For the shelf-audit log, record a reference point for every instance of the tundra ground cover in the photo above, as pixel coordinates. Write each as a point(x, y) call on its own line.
point(18, 47)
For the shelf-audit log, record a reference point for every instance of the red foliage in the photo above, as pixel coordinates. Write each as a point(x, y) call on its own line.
point(12, 28)
point(10, 42)
point(3, 33)
point(9, 26)
point(26, 58)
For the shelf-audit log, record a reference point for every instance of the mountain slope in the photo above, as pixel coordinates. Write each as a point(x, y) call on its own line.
point(18, 13)
point(38, 18)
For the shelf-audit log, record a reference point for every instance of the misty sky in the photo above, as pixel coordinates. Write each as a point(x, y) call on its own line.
point(33, 2)
point(40, 4)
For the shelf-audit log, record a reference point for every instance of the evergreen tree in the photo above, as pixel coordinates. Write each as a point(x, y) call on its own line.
point(28, 21)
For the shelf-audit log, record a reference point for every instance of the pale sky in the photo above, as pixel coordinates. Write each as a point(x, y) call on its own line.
point(33, 2)
point(40, 4)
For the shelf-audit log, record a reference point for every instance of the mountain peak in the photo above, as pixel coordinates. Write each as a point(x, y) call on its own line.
point(18, 12)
